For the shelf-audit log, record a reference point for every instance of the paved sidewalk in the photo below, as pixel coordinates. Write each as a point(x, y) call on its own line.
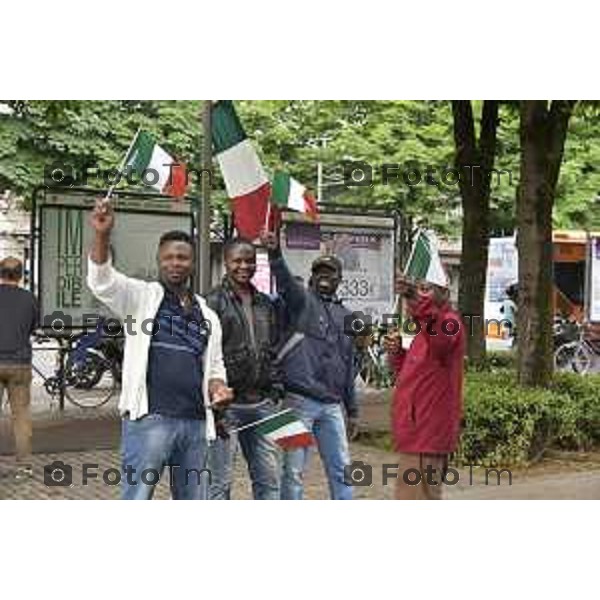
point(77, 429)
point(77, 437)
point(570, 484)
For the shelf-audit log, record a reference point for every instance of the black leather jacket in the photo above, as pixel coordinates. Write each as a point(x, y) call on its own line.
point(251, 371)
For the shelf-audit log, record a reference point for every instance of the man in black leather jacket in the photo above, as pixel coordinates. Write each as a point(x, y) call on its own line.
point(249, 339)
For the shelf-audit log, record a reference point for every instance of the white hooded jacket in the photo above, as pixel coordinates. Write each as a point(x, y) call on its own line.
point(140, 300)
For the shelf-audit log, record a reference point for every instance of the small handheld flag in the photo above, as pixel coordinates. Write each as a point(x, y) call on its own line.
point(424, 261)
point(156, 167)
point(283, 428)
point(289, 193)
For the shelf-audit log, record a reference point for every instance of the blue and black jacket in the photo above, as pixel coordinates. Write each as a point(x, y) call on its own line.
point(316, 356)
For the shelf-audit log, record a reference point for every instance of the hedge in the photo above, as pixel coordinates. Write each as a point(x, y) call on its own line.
point(510, 425)
point(495, 360)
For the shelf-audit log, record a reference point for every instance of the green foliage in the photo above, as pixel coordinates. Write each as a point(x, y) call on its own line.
point(578, 189)
point(583, 392)
point(506, 177)
point(296, 136)
point(494, 361)
point(85, 133)
point(508, 425)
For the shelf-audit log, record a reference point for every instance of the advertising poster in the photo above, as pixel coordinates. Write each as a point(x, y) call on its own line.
point(366, 253)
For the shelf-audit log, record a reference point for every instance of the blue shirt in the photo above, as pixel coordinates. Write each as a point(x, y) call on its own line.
point(175, 368)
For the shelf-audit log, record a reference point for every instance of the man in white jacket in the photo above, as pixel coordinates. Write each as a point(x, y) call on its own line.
point(173, 371)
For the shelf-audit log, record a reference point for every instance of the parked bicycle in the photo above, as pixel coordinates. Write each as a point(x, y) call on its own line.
point(580, 355)
point(87, 370)
point(564, 330)
point(372, 364)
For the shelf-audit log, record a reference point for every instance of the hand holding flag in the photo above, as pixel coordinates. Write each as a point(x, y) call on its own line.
point(103, 217)
point(269, 240)
point(164, 173)
point(220, 394)
point(404, 287)
point(155, 167)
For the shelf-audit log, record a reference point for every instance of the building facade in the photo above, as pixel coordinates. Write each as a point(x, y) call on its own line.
point(15, 229)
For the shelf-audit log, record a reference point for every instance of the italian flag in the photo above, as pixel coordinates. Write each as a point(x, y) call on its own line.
point(424, 261)
point(288, 193)
point(246, 182)
point(286, 430)
point(156, 167)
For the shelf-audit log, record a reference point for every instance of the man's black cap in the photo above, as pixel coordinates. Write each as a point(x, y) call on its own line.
point(330, 262)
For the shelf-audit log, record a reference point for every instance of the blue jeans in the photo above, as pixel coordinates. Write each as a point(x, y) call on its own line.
point(327, 423)
point(154, 442)
point(261, 455)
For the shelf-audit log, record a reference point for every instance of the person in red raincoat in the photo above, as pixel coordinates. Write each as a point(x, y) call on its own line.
point(428, 400)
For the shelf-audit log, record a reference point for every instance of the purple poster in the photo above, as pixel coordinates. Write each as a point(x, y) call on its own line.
point(302, 236)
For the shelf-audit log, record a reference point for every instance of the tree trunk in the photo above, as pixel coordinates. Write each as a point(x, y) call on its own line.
point(474, 162)
point(543, 130)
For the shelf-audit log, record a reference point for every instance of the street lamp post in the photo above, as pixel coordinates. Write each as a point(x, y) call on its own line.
point(322, 182)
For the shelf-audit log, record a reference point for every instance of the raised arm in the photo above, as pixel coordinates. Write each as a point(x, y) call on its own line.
point(112, 288)
point(292, 292)
point(102, 221)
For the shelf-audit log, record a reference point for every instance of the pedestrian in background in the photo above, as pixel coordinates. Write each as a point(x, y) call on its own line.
point(509, 311)
point(18, 320)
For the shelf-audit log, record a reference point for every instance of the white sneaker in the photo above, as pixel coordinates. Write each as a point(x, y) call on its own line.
point(25, 472)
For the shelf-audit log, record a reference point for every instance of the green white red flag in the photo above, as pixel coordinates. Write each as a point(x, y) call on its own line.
point(424, 261)
point(289, 193)
point(155, 167)
point(286, 430)
point(246, 182)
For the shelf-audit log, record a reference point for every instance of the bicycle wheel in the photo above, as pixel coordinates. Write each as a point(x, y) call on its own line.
point(43, 362)
point(582, 360)
point(91, 381)
point(563, 357)
point(370, 368)
point(366, 373)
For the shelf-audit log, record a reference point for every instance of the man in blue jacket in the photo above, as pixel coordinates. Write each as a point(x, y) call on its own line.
point(317, 360)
